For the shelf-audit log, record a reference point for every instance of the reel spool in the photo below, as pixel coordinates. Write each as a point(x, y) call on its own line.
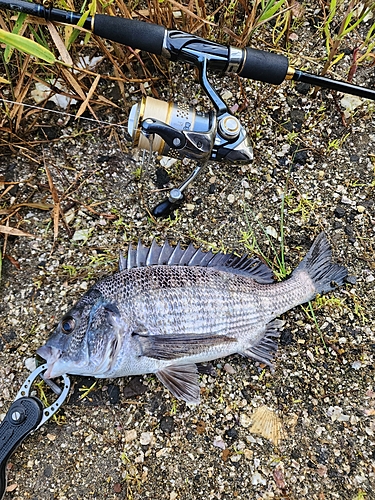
point(166, 121)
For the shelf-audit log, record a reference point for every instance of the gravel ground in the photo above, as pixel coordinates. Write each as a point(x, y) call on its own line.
point(130, 438)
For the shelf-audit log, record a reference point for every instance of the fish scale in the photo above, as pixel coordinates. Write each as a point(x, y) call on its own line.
point(168, 309)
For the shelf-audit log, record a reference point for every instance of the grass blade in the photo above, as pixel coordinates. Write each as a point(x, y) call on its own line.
point(27, 46)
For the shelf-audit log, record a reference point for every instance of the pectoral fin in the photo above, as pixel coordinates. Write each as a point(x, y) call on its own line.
point(174, 346)
point(182, 381)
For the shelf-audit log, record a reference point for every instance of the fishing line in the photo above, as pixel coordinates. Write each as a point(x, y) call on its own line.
point(65, 113)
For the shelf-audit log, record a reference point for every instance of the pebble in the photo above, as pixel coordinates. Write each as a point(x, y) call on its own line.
point(130, 435)
point(166, 424)
point(245, 420)
point(219, 443)
point(271, 231)
point(146, 438)
point(340, 212)
point(370, 278)
point(229, 369)
point(346, 200)
point(230, 198)
point(361, 209)
point(258, 479)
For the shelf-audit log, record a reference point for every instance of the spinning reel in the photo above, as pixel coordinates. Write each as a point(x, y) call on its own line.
point(177, 130)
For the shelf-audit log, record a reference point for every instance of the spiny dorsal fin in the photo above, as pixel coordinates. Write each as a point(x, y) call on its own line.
point(166, 255)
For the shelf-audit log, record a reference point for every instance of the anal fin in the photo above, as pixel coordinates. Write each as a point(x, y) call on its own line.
point(182, 381)
point(265, 350)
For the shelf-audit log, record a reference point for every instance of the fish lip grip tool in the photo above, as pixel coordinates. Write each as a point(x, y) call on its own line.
point(178, 130)
point(25, 415)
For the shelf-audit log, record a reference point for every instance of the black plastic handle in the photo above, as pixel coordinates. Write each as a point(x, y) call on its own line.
point(22, 418)
point(165, 208)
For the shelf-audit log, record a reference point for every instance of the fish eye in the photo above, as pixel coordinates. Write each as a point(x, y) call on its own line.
point(68, 324)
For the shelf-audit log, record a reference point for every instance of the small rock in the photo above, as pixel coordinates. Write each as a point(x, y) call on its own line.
point(229, 369)
point(201, 427)
point(134, 388)
point(370, 278)
point(11, 487)
point(146, 438)
point(231, 433)
point(245, 420)
point(303, 88)
point(258, 479)
point(113, 393)
point(166, 424)
point(230, 198)
point(130, 435)
point(286, 337)
point(346, 201)
point(339, 212)
point(271, 231)
point(361, 209)
point(219, 443)
point(352, 280)
point(356, 365)
point(225, 454)
point(227, 94)
point(117, 488)
point(48, 471)
point(51, 437)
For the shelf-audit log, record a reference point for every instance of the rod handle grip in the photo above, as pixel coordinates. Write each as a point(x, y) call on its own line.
point(130, 32)
point(264, 66)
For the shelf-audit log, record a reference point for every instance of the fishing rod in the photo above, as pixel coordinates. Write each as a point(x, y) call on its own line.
point(175, 129)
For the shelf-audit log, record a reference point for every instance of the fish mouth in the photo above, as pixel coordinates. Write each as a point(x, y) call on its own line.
point(51, 355)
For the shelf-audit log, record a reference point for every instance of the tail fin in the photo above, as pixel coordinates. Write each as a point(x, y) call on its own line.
point(325, 275)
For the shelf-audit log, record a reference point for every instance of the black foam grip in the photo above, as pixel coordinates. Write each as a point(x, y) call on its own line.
point(264, 66)
point(135, 34)
point(22, 418)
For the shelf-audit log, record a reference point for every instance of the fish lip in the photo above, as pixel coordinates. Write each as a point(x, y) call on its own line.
point(51, 355)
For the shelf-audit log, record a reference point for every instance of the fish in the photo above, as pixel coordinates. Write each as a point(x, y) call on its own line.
point(168, 309)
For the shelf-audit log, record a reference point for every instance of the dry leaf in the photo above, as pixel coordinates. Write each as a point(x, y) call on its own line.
point(83, 106)
point(56, 206)
point(65, 56)
point(12, 231)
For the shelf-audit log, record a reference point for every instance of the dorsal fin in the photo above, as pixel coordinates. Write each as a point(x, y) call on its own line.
point(166, 255)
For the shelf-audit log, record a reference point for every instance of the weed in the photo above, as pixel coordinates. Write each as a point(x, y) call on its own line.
point(336, 144)
point(353, 16)
point(86, 390)
point(58, 419)
point(174, 407)
point(305, 207)
point(71, 270)
point(324, 302)
point(138, 173)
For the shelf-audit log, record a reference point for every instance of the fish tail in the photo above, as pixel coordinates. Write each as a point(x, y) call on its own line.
point(325, 274)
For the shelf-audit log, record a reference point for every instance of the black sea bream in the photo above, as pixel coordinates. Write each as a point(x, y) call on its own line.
point(168, 309)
